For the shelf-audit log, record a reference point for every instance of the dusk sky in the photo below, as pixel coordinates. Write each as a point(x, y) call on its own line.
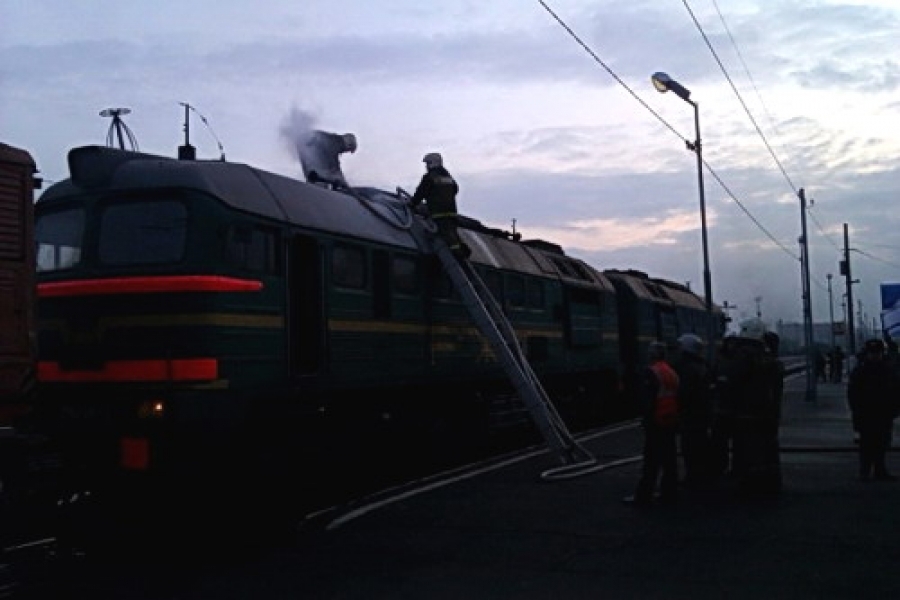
point(544, 112)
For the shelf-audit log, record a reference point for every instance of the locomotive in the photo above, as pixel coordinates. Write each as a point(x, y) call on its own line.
point(197, 316)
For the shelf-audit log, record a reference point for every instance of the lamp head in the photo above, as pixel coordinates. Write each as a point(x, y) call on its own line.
point(663, 83)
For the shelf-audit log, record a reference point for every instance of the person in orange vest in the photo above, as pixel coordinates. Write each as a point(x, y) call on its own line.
point(660, 422)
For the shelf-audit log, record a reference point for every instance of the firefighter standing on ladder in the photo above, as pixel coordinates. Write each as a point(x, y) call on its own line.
point(438, 189)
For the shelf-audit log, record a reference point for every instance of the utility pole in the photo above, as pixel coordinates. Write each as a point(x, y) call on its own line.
point(848, 276)
point(862, 322)
point(830, 311)
point(807, 305)
point(728, 307)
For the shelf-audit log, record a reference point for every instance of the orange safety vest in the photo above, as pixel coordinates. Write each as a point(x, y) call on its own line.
point(665, 409)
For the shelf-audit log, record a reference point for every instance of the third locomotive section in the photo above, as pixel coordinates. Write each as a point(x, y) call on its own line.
point(200, 319)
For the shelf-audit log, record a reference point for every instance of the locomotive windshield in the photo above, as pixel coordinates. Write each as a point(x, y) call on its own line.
point(139, 233)
point(130, 233)
point(59, 237)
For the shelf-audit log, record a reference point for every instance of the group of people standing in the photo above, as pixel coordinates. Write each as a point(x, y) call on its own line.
point(728, 417)
point(729, 414)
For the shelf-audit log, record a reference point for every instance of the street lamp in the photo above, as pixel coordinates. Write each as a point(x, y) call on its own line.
point(663, 83)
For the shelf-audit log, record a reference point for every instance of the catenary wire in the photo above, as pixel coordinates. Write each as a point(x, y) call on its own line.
point(609, 70)
point(619, 80)
point(739, 97)
point(811, 213)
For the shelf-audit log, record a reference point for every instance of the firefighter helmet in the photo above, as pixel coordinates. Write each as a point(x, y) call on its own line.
point(433, 159)
point(691, 343)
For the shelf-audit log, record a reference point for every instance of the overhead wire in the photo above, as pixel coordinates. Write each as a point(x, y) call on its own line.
point(739, 97)
point(709, 168)
point(810, 212)
point(706, 165)
point(740, 56)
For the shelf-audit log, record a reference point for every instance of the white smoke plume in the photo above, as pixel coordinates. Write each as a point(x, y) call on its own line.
point(318, 151)
point(296, 129)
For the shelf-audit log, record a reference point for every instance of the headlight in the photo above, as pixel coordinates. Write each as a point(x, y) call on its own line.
point(151, 409)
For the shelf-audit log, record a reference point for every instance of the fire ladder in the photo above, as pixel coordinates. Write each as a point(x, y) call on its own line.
point(492, 323)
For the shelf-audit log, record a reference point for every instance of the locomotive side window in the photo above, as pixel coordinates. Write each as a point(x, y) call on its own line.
point(494, 282)
point(443, 287)
point(563, 266)
point(405, 275)
point(140, 233)
point(348, 267)
point(515, 290)
point(58, 239)
point(656, 290)
point(253, 248)
point(571, 268)
point(580, 271)
point(534, 294)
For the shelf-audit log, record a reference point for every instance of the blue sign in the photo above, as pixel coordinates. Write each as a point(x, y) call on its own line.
point(890, 309)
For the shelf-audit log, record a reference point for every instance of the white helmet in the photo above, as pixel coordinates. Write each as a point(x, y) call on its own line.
point(691, 343)
point(433, 159)
point(349, 142)
point(753, 328)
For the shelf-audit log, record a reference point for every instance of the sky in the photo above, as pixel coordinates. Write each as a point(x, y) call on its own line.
point(543, 110)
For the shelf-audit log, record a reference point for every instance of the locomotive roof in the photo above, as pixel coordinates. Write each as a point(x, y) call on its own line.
point(653, 288)
point(238, 185)
point(384, 217)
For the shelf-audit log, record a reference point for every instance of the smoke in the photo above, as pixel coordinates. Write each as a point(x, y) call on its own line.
point(296, 129)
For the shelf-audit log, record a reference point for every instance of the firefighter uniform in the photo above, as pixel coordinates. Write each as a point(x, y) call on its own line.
point(438, 190)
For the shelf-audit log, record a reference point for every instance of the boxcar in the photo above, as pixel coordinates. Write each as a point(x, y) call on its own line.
point(17, 280)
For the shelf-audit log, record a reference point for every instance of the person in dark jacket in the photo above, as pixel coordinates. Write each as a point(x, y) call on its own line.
point(660, 457)
point(438, 190)
point(821, 365)
point(749, 390)
point(319, 154)
point(695, 409)
point(872, 394)
point(836, 365)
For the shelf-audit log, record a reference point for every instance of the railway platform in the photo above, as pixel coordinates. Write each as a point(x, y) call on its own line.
point(502, 532)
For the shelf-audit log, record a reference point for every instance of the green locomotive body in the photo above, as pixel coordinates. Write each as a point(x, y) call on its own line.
point(194, 312)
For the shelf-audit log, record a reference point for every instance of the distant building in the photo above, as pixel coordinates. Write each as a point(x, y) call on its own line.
point(793, 336)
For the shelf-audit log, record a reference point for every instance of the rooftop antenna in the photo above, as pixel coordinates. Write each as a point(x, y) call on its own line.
point(118, 127)
point(188, 107)
point(186, 151)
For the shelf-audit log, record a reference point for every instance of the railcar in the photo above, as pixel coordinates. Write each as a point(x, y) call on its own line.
point(651, 309)
point(17, 281)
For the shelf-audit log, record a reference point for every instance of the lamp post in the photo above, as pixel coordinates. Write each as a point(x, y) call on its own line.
point(663, 83)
